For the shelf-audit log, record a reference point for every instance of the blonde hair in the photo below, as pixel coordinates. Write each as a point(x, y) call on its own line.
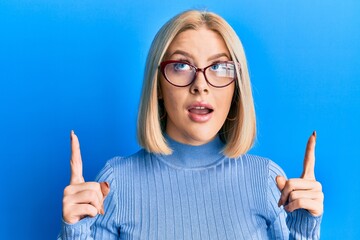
point(239, 129)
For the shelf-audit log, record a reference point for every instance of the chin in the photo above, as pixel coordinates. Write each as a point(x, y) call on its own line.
point(200, 139)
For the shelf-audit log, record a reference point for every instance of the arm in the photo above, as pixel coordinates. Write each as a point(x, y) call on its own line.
point(303, 225)
point(303, 198)
point(278, 228)
point(299, 224)
point(86, 212)
point(101, 226)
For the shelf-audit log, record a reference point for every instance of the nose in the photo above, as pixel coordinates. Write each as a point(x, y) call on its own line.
point(199, 85)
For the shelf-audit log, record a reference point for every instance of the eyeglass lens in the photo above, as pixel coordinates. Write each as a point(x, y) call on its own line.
point(182, 74)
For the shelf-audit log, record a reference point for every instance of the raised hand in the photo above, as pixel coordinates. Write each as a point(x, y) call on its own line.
point(304, 192)
point(82, 198)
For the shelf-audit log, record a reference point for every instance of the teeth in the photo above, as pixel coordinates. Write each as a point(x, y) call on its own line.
point(199, 107)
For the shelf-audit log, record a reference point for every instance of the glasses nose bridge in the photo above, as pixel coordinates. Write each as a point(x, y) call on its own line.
point(197, 69)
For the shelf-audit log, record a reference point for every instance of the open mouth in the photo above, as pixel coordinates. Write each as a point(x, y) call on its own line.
point(200, 112)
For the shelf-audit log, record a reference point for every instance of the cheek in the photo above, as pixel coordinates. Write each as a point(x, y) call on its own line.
point(164, 92)
point(225, 99)
point(173, 101)
point(161, 87)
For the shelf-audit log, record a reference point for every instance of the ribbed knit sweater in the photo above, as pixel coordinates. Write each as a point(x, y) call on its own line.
point(194, 193)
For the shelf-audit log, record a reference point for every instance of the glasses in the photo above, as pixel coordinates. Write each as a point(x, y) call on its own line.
point(182, 74)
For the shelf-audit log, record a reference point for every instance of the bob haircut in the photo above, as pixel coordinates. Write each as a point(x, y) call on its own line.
point(239, 129)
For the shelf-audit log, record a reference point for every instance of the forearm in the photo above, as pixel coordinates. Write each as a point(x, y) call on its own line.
point(79, 230)
point(302, 225)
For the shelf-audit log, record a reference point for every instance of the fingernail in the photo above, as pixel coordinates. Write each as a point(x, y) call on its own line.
point(105, 188)
point(105, 185)
point(314, 134)
point(286, 208)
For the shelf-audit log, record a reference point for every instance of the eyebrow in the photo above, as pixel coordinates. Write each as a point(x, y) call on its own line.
point(181, 53)
point(186, 54)
point(219, 55)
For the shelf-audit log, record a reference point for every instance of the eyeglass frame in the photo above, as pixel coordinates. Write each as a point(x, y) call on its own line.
point(197, 69)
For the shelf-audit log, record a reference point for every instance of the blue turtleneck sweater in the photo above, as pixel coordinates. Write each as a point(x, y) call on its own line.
point(194, 193)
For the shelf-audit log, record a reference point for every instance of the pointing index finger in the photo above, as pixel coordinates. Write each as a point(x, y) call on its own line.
point(75, 161)
point(309, 159)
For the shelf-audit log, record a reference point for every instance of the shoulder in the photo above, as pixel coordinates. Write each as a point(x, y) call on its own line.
point(254, 161)
point(121, 168)
point(121, 161)
point(135, 163)
point(262, 164)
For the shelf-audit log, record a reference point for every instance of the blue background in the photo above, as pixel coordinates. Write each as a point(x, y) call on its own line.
point(79, 65)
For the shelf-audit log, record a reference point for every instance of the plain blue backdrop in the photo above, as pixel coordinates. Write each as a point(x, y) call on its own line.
point(79, 65)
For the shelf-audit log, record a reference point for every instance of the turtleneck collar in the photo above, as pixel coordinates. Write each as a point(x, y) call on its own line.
point(189, 156)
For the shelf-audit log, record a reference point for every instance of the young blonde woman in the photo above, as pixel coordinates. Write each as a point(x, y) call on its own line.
point(193, 179)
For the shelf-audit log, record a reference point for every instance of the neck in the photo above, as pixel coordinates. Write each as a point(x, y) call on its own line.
point(190, 156)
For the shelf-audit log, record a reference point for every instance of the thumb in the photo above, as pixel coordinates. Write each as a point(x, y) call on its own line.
point(105, 188)
point(280, 182)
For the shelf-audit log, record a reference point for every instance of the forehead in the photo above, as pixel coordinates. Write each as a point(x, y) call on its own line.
point(201, 42)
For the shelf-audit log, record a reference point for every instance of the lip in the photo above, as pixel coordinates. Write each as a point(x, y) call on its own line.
point(200, 118)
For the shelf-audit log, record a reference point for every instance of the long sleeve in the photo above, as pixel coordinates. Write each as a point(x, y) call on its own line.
point(101, 226)
point(195, 193)
point(277, 227)
point(299, 224)
point(303, 225)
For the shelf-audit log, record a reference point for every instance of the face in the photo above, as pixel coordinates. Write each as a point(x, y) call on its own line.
point(197, 112)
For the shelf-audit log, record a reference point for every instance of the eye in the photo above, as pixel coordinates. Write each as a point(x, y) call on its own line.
point(220, 67)
point(216, 66)
point(179, 66)
point(223, 69)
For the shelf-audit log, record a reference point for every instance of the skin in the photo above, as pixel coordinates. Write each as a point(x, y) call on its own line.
point(201, 48)
point(304, 192)
point(81, 198)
